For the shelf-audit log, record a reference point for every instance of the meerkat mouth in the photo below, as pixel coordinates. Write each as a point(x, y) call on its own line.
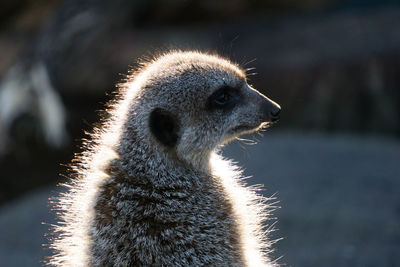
point(249, 128)
point(245, 128)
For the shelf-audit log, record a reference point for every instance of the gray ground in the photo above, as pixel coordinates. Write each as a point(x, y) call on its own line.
point(339, 198)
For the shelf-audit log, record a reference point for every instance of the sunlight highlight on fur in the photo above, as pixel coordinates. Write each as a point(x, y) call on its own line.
point(250, 208)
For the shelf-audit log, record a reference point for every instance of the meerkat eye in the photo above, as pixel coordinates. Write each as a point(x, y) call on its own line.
point(224, 97)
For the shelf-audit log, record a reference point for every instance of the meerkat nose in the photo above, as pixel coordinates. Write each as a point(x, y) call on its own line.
point(274, 113)
point(271, 109)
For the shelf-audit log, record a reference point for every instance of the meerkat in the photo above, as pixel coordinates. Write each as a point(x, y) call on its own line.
point(151, 189)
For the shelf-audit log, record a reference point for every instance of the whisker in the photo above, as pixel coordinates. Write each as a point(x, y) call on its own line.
point(249, 69)
point(251, 73)
point(247, 141)
point(250, 61)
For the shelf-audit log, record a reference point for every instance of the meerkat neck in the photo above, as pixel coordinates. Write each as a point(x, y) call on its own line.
point(160, 166)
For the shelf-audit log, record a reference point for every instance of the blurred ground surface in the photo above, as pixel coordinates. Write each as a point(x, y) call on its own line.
point(339, 197)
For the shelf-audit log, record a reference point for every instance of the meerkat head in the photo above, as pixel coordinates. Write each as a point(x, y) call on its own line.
point(196, 102)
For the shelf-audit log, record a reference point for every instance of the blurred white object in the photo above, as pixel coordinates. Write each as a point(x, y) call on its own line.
point(28, 91)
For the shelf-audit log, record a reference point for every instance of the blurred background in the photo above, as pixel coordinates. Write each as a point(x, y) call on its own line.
point(333, 161)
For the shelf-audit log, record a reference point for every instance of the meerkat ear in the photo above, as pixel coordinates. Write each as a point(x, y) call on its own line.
point(164, 127)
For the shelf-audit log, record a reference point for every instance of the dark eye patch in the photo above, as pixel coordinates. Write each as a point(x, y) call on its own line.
point(224, 98)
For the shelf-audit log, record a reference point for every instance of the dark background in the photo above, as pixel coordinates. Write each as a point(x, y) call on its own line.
point(333, 65)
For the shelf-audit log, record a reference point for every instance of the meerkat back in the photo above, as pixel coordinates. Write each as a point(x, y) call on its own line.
point(150, 188)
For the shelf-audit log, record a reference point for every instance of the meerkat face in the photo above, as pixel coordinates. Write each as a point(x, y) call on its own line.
point(203, 102)
point(243, 109)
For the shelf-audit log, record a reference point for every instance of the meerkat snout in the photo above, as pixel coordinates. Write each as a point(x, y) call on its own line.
point(269, 109)
point(248, 109)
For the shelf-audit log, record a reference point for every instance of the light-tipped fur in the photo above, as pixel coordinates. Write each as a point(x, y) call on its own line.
point(151, 189)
